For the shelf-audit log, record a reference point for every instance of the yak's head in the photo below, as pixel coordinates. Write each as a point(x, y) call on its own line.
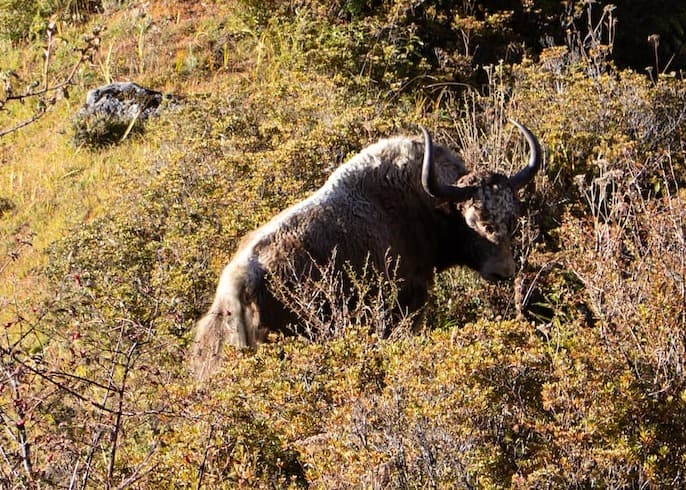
point(489, 205)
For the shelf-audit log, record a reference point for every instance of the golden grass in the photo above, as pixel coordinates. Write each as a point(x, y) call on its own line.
point(56, 186)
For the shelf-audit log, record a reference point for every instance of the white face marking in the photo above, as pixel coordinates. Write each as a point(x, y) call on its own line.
point(492, 213)
point(493, 210)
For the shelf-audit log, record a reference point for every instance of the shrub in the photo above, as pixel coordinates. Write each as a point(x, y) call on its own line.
point(576, 383)
point(27, 19)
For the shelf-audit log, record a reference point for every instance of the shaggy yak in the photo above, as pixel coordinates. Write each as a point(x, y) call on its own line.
point(403, 198)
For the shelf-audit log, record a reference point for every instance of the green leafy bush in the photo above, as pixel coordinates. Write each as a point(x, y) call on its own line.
point(572, 377)
point(28, 19)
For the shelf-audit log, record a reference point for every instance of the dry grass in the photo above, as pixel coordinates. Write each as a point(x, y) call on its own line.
point(108, 258)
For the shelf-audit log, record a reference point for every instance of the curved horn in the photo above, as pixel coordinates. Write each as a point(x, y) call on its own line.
point(524, 176)
point(436, 189)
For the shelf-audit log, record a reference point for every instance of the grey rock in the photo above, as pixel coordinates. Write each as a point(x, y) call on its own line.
point(113, 111)
point(123, 100)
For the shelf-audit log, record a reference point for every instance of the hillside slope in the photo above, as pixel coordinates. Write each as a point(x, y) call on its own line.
point(572, 376)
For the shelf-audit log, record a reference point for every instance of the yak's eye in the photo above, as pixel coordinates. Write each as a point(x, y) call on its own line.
point(490, 229)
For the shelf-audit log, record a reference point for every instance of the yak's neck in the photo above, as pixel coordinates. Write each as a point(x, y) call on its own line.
point(456, 243)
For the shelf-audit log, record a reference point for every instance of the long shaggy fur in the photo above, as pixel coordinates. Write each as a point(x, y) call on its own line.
point(210, 338)
point(232, 319)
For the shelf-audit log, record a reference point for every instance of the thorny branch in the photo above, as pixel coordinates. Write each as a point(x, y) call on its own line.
point(116, 428)
point(20, 422)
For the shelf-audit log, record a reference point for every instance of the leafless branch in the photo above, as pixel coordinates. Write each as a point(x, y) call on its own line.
point(116, 429)
point(201, 470)
point(48, 377)
point(20, 424)
point(137, 473)
point(85, 53)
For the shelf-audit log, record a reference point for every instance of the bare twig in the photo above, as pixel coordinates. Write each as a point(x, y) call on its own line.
point(89, 457)
point(8, 477)
point(21, 427)
point(47, 377)
point(137, 473)
point(85, 53)
point(35, 117)
point(116, 429)
point(201, 470)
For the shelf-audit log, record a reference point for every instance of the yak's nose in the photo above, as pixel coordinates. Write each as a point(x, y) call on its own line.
point(494, 277)
point(501, 268)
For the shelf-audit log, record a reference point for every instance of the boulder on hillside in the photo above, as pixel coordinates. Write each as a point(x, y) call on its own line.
point(114, 111)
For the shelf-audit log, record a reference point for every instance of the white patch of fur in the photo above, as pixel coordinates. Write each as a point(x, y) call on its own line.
point(335, 186)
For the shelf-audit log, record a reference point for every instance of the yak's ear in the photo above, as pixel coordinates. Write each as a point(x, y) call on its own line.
point(470, 217)
point(445, 207)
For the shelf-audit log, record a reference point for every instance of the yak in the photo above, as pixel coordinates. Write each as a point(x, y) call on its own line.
point(403, 197)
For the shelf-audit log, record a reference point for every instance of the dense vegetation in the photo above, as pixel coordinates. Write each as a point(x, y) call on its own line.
point(574, 376)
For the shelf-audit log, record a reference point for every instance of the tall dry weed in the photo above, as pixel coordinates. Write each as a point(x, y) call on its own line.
point(633, 265)
point(327, 300)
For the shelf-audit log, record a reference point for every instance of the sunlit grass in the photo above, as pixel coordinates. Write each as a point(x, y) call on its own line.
point(55, 187)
